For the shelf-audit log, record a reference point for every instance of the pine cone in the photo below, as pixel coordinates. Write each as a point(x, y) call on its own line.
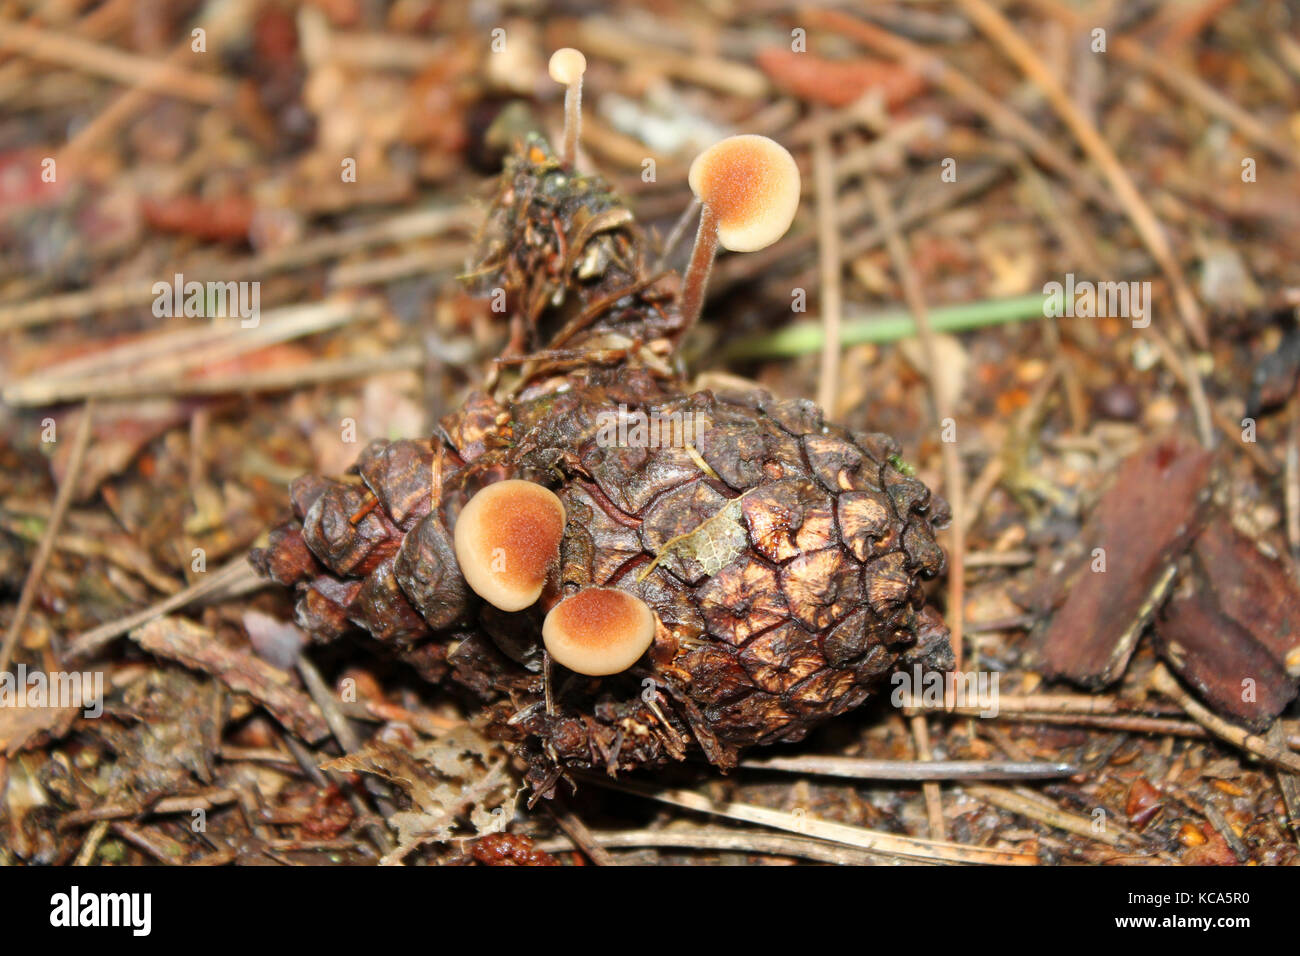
point(783, 556)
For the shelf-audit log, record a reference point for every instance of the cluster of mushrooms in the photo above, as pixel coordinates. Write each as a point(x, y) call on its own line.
point(507, 538)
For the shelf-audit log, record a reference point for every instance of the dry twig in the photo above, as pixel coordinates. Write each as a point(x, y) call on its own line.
point(62, 500)
point(858, 768)
point(874, 840)
point(127, 68)
point(1167, 684)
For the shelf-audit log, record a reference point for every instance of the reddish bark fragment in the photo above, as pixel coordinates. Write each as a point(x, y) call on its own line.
point(838, 82)
point(220, 220)
point(1143, 523)
point(1217, 656)
point(1252, 589)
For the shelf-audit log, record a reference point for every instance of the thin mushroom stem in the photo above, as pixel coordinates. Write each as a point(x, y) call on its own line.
point(701, 264)
point(678, 230)
point(572, 119)
point(567, 66)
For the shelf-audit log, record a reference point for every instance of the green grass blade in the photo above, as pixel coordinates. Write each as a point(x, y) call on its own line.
point(806, 336)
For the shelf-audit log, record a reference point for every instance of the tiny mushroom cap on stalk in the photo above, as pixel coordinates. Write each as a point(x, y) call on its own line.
point(507, 538)
point(749, 189)
point(599, 631)
point(567, 66)
point(752, 185)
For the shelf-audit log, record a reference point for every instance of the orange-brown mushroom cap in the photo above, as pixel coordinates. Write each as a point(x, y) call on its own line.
point(752, 185)
point(567, 65)
point(599, 631)
point(507, 537)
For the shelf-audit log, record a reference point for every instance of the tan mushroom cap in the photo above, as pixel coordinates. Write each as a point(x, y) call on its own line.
point(752, 185)
point(567, 65)
point(507, 537)
point(599, 631)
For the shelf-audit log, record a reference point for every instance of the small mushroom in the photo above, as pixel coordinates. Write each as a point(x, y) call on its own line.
point(506, 539)
point(599, 631)
point(567, 66)
point(749, 190)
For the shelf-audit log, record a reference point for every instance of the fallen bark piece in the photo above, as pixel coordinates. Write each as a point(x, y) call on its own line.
point(839, 82)
point(25, 727)
point(194, 646)
point(1253, 589)
point(1136, 533)
point(1232, 672)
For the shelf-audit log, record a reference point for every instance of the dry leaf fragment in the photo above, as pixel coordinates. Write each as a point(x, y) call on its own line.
point(195, 646)
point(23, 727)
point(458, 776)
